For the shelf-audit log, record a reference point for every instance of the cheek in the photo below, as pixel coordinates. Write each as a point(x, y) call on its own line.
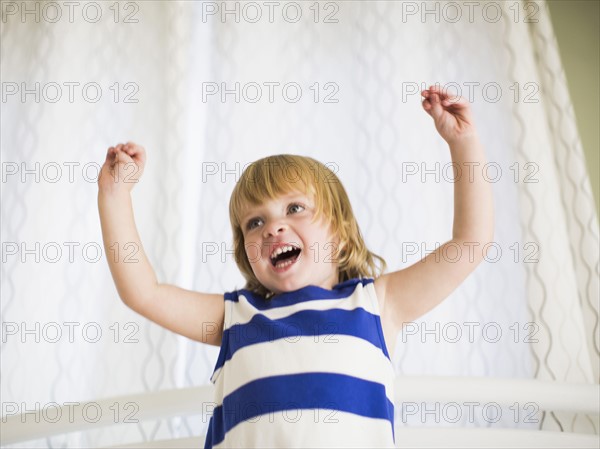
point(252, 252)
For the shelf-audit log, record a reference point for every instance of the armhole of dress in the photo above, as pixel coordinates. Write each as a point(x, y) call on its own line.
point(224, 341)
point(372, 293)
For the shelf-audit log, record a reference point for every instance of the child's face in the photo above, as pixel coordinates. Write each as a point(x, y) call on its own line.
point(286, 221)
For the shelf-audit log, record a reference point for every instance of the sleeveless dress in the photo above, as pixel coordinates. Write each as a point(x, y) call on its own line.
point(307, 368)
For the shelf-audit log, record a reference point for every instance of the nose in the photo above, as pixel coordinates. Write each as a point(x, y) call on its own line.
point(274, 228)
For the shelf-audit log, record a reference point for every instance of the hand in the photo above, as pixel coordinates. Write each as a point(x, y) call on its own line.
point(122, 168)
point(451, 114)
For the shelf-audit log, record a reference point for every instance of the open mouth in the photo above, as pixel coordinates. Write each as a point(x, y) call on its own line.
point(285, 256)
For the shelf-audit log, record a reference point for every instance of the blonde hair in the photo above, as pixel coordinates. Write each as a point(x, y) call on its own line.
point(270, 177)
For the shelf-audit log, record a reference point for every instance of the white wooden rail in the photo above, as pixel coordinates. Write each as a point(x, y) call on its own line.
point(554, 396)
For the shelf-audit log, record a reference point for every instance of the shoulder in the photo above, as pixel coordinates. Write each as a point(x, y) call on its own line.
point(379, 284)
point(368, 285)
point(352, 286)
point(354, 282)
point(234, 295)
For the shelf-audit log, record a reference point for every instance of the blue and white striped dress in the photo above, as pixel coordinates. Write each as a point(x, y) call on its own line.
point(307, 368)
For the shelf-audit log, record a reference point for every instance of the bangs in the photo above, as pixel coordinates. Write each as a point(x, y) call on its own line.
point(270, 177)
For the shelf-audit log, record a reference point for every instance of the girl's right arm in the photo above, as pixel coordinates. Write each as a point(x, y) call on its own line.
point(198, 316)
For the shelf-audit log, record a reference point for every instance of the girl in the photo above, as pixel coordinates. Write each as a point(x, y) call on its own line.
point(306, 345)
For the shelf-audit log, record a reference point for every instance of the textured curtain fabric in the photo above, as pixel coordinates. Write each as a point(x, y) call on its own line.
point(338, 81)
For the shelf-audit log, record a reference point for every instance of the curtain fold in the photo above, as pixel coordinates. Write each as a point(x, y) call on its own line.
point(576, 196)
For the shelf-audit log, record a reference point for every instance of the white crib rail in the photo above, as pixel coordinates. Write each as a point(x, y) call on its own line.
point(439, 437)
point(555, 396)
point(155, 405)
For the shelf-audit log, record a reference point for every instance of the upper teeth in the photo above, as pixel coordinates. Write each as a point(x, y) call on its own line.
point(280, 250)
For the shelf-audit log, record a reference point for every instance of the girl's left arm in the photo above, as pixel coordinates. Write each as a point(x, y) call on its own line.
point(407, 294)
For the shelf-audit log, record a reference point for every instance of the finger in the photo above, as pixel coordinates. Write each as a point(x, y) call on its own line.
point(131, 148)
point(121, 155)
point(436, 109)
point(138, 153)
point(455, 101)
point(111, 156)
point(124, 157)
point(142, 155)
point(461, 109)
point(443, 94)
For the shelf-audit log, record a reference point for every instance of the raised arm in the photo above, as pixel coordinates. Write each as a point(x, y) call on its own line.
point(198, 316)
point(407, 294)
point(473, 202)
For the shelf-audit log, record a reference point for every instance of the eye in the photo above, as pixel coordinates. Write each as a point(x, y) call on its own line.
point(251, 223)
point(296, 205)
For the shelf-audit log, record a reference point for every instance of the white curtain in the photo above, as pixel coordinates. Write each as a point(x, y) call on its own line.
point(147, 75)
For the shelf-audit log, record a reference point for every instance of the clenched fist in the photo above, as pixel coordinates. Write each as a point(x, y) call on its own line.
point(122, 168)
